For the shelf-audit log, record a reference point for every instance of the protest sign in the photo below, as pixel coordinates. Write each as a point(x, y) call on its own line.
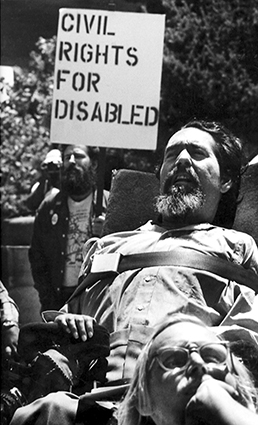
point(107, 78)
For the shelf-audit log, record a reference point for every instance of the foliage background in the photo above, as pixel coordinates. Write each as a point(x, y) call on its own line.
point(210, 70)
point(25, 120)
point(210, 62)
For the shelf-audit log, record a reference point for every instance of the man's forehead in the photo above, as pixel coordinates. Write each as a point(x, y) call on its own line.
point(190, 135)
point(183, 331)
point(75, 149)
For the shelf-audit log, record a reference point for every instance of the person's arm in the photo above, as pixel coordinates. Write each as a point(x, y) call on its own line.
point(80, 326)
point(9, 323)
point(215, 402)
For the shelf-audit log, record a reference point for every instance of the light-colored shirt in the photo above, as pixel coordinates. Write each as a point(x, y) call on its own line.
point(130, 304)
point(78, 232)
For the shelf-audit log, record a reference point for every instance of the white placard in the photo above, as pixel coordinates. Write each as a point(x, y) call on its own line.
point(107, 78)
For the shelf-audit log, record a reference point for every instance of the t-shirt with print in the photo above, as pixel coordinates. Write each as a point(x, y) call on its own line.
point(78, 232)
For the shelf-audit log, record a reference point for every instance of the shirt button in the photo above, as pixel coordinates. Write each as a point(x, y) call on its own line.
point(147, 279)
point(63, 235)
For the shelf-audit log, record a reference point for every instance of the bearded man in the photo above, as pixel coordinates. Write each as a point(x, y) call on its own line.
point(63, 223)
point(188, 261)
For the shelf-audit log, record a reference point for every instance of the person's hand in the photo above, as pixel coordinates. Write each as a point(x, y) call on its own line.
point(211, 402)
point(97, 225)
point(10, 341)
point(79, 326)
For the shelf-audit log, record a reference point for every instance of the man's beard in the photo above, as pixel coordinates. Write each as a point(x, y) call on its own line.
point(180, 206)
point(77, 180)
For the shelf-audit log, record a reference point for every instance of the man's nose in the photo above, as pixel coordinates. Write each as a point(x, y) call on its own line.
point(183, 158)
point(197, 367)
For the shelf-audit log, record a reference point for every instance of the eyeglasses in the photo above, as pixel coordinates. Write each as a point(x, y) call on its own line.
point(178, 357)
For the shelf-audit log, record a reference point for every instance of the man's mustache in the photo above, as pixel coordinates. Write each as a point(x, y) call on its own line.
point(71, 168)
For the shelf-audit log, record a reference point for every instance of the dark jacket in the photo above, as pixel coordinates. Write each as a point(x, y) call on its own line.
point(48, 248)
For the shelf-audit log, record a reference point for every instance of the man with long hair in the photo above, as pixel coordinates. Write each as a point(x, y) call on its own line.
point(63, 223)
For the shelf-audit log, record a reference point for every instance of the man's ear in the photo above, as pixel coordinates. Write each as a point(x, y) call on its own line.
point(225, 185)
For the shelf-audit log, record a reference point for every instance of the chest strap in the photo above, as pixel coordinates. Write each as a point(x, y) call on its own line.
point(111, 264)
point(180, 257)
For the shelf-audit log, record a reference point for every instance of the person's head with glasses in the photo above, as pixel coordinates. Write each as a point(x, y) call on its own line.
point(186, 375)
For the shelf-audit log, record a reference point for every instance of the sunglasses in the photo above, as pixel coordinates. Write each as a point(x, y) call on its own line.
point(178, 357)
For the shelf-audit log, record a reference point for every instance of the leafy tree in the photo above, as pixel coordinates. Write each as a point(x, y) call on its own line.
point(25, 128)
point(210, 62)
